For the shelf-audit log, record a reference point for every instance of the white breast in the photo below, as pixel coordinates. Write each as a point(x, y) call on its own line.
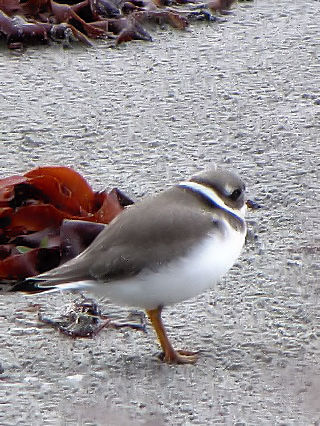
point(180, 279)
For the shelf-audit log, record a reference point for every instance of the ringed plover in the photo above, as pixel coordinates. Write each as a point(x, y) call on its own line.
point(162, 250)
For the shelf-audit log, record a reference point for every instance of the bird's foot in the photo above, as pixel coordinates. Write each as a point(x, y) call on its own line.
point(179, 357)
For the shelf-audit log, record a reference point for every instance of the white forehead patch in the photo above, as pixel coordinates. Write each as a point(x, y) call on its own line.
point(229, 188)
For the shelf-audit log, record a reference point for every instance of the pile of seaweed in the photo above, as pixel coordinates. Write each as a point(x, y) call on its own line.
point(48, 216)
point(24, 22)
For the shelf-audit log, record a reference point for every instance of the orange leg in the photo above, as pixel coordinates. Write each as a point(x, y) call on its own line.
point(171, 356)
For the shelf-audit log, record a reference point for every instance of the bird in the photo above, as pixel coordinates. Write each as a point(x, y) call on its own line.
point(164, 249)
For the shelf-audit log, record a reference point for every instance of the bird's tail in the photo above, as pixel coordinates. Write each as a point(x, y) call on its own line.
point(68, 276)
point(28, 286)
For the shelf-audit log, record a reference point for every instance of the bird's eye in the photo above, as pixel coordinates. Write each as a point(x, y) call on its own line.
point(235, 194)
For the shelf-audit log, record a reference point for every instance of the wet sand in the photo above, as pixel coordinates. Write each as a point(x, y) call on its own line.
point(244, 94)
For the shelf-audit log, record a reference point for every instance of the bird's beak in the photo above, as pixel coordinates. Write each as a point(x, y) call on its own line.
point(253, 205)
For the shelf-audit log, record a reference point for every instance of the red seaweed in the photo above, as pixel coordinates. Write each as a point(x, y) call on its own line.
point(49, 215)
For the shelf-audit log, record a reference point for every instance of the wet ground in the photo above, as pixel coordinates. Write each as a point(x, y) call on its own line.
point(244, 94)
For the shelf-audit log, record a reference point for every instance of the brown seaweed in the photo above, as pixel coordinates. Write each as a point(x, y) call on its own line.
point(42, 21)
point(48, 216)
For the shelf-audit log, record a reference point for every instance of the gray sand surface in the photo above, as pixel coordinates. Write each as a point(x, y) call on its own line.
point(244, 94)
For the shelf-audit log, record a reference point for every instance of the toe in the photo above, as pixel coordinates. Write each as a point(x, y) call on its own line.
point(180, 357)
